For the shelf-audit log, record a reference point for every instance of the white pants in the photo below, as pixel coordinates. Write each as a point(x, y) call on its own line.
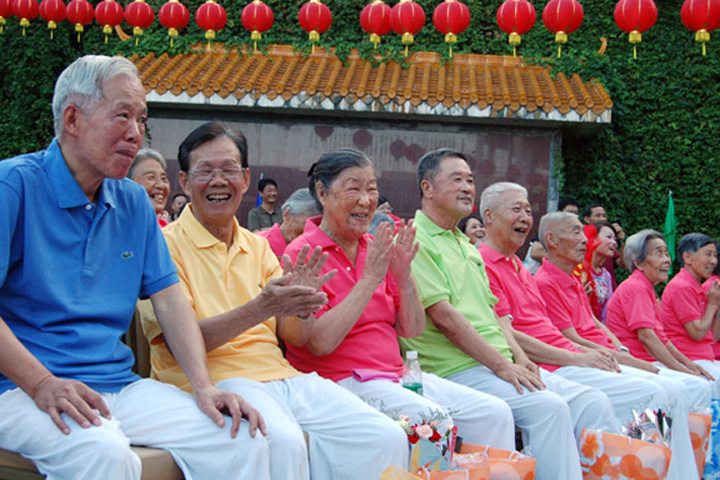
point(481, 418)
point(549, 419)
point(146, 413)
point(713, 368)
point(348, 439)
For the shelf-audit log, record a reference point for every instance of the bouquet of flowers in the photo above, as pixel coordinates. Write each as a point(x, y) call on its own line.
point(431, 449)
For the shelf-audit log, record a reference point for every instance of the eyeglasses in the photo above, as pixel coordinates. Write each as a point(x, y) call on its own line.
point(205, 174)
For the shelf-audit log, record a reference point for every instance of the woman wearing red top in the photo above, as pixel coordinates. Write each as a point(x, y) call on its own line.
point(150, 170)
point(715, 277)
point(371, 300)
point(596, 279)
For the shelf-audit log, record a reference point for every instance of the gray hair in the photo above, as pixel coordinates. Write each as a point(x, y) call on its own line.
point(145, 154)
point(691, 243)
point(301, 202)
point(82, 82)
point(636, 246)
point(377, 220)
point(550, 223)
point(490, 195)
point(330, 165)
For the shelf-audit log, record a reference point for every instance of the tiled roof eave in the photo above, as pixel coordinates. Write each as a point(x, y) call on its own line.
point(368, 104)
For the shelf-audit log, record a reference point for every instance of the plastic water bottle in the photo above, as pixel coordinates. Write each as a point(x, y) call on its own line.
point(412, 379)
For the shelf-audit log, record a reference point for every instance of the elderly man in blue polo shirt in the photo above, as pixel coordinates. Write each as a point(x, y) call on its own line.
point(78, 245)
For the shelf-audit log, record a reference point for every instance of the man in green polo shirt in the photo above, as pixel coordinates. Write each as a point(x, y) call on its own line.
point(464, 340)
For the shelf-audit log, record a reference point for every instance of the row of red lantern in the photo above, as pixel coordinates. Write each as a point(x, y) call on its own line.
point(407, 18)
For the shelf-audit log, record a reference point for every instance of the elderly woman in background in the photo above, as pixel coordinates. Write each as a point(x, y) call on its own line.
point(596, 279)
point(473, 228)
point(715, 277)
point(296, 209)
point(150, 170)
point(633, 316)
point(371, 301)
point(689, 315)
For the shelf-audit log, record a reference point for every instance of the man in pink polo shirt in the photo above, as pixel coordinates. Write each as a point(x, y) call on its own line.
point(297, 208)
point(508, 219)
point(569, 308)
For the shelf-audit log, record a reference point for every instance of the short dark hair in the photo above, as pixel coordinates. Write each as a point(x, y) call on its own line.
point(264, 182)
point(462, 224)
point(588, 210)
point(382, 199)
point(206, 133)
point(179, 195)
point(429, 164)
point(567, 200)
point(330, 165)
point(691, 243)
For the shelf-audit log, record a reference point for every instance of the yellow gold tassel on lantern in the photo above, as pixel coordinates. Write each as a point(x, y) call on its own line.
point(560, 38)
point(52, 26)
point(635, 38)
point(24, 22)
point(375, 39)
point(703, 36)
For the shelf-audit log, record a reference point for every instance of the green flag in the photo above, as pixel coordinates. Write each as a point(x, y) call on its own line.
point(670, 228)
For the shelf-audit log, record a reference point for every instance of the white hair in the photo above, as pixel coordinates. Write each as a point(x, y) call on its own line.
point(82, 82)
point(301, 202)
point(145, 154)
point(550, 223)
point(636, 247)
point(489, 196)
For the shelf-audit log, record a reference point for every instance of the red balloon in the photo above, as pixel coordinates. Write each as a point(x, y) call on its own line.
point(257, 17)
point(109, 13)
point(174, 16)
point(516, 17)
point(315, 18)
point(563, 16)
point(451, 17)
point(139, 15)
point(407, 18)
point(53, 12)
point(80, 13)
point(635, 16)
point(701, 14)
point(211, 17)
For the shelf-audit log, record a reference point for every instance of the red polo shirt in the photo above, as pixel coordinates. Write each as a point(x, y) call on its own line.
point(683, 301)
point(706, 287)
point(518, 295)
point(632, 306)
point(567, 303)
point(276, 239)
point(372, 343)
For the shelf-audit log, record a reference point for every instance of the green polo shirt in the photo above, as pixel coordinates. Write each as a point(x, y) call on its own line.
point(448, 267)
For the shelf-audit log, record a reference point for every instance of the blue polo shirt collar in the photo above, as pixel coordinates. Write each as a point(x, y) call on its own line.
point(64, 186)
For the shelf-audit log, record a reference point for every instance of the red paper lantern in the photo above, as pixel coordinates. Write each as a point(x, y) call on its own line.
point(140, 16)
point(562, 17)
point(81, 13)
point(109, 14)
point(53, 12)
point(407, 18)
point(6, 11)
point(516, 18)
point(315, 18)
point(702, 17)
point(451, 18)
point(211, 17)
point(635, 17)
point(257, 18)
point(375, 20)
point(25, 10)
point(174, 16)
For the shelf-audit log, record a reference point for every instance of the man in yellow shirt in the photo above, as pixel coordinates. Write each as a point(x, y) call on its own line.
point(244, 300)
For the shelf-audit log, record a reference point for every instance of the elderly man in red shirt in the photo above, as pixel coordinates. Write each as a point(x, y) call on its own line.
point(508, 219)
point(569, 309)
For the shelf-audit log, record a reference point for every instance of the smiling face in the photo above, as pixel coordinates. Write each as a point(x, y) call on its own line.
point(269, 194)
point(474, 230)
point(178, 202)
point(108, 134)
point(150, 174)
point(452, 192)
point(702, 263)
point(349, 203)
point(607, 244)
point(657, 263)
point(509, 221)
point(215, 199)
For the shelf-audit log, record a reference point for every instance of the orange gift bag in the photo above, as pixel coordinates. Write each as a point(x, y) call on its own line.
point(605, 456)
point(700, 435)
point(504, 464)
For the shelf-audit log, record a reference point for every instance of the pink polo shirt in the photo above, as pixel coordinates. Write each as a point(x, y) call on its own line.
point(518, 295)
point(683, 301)
point(567, 303)
point(633, 306)
point(372, 343)
point(706, 287)
point(275, 238)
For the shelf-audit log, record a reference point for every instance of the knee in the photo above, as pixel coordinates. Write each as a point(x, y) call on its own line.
point(107, 453)
point(288, 438)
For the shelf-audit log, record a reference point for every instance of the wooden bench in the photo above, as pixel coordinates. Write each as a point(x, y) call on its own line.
point(156, 464)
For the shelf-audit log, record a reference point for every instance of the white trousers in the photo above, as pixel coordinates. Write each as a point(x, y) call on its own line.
point(481, 418)
point(146, 413)
point(348, 439)
point(549, 419)
point(713, 368)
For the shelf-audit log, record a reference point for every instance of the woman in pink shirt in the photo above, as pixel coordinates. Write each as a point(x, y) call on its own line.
point(371, 300)
point(688, 313)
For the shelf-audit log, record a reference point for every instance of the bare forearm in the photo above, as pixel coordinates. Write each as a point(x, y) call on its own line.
point(220, 329)
point(508, 331)
point(572, 335)
point(654, 347)
point(17, 363)
point(615, 341)
point(678, 355)
point(697, 329)
point(541, 352)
